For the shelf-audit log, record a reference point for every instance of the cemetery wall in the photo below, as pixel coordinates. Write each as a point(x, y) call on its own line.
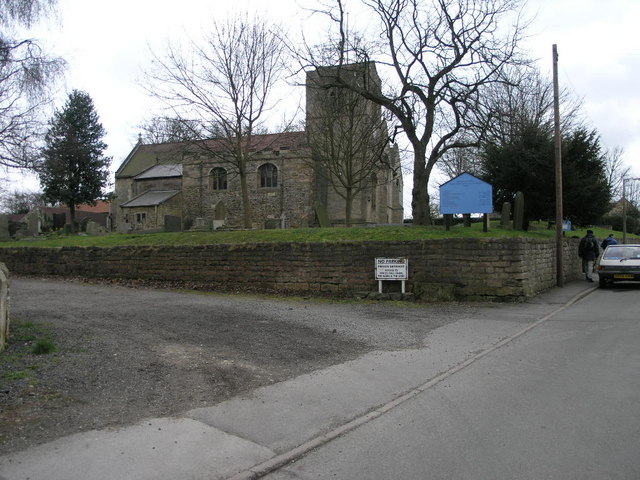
point(4, 306)
point(474, 269)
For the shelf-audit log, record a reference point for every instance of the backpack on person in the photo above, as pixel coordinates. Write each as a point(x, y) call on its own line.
point(589, 244)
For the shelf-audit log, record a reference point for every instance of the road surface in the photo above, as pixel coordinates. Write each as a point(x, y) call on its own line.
point(559, 402)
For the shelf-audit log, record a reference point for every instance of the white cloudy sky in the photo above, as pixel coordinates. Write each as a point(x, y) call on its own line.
point(106, 45)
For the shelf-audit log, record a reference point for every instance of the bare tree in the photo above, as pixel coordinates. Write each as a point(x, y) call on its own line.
point(26, 73)
point(19, 202)
point(440, 54)
point(224, 82)
point(524, 97)
point(616, 170)
point(632, 193)
point(349, 138)
point(507, 109)
point(170, 129)
point(457, 161)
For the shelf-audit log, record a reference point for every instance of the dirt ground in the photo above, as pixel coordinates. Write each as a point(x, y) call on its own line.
point(125, 353)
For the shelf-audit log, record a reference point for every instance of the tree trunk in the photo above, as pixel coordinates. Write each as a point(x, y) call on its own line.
point(348, 206)
point(72, 215)
point(246, 207)
point(419, 193)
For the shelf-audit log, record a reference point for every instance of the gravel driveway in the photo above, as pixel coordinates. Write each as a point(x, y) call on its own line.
point(125, 353)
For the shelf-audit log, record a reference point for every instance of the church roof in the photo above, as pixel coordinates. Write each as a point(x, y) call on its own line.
point(161, 171)
point(151, 198)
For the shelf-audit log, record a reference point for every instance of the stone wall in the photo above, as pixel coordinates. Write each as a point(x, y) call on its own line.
point(4, 306)
point(153, 214)
point(292, 196)
point(475, 268)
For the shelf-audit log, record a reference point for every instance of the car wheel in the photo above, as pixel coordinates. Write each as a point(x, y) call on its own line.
point(602, 282)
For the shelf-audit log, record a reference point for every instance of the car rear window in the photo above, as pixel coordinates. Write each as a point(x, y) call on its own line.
point(615, 252)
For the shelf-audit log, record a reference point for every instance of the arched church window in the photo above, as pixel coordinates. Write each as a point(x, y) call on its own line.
point(218, 179)
point(268, 175)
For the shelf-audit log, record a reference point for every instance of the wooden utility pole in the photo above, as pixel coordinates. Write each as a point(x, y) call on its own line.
point(558, 156)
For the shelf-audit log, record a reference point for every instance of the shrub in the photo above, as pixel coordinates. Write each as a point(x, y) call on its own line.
point(43, 346)
point(633, 225)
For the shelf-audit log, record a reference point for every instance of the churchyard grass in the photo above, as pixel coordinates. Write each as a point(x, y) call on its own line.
point(323, 235)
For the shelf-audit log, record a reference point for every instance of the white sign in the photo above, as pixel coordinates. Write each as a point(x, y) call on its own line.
point(392, 269)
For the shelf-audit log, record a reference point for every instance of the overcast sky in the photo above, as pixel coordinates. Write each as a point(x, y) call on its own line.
point(106, 45)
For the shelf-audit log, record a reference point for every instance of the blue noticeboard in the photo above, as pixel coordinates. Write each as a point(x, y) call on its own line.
point(466, 194)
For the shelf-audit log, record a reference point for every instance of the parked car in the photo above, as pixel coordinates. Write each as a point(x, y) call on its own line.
point(619, 263)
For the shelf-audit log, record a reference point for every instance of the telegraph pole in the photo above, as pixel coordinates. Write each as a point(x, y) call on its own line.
point(558, 157)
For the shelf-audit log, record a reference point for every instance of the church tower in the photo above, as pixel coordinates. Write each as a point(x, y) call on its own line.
point(358, 179)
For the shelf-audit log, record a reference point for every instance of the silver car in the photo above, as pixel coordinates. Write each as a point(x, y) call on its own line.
point(619, 263)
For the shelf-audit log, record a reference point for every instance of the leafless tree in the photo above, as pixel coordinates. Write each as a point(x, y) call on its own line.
point(18, 202)
point(224, 82)
point(26, 74)
point(170, 129)
point(349, 138)
point(457, 161)
point(440, 54)
point(632, 193)
point(616, 170)
point(523, 98)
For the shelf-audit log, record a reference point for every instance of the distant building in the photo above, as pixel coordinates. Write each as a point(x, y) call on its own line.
point(101, 206)
point(46, 219)
point(184, 185)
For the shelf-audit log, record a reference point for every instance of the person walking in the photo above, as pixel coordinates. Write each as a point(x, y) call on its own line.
point(588, 251)
point(610, 240)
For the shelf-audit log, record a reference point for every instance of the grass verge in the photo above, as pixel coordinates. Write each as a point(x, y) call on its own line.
point(19, 360)
point(322, 235)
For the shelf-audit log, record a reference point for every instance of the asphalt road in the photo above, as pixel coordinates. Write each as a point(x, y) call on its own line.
point(559, 402)
point(545, 389)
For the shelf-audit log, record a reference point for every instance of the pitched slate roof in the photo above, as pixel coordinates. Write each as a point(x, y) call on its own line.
point(161, 171)
point(151, 199)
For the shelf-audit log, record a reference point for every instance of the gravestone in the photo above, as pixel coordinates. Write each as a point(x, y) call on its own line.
point(172, 223)
point(93, 228)
point(59, 219)
point(4, 228)
point(202, 224)
point(219, 215)
point(220, 211)
point(323, 216)
point(32, 219)
point(271, 224)
point(506, 214)
point(518, 212)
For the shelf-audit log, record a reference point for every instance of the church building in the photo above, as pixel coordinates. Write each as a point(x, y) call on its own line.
point(293, 179)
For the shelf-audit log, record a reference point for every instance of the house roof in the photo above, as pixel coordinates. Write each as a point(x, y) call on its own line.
point(100, 207)
point(151, 198)
point(144, 157)
point(161, 171)
point(81, 215)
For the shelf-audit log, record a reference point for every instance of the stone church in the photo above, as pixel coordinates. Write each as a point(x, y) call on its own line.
point(291, 180)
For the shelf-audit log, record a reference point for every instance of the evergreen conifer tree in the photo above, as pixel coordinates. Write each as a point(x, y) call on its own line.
point(73, 169)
